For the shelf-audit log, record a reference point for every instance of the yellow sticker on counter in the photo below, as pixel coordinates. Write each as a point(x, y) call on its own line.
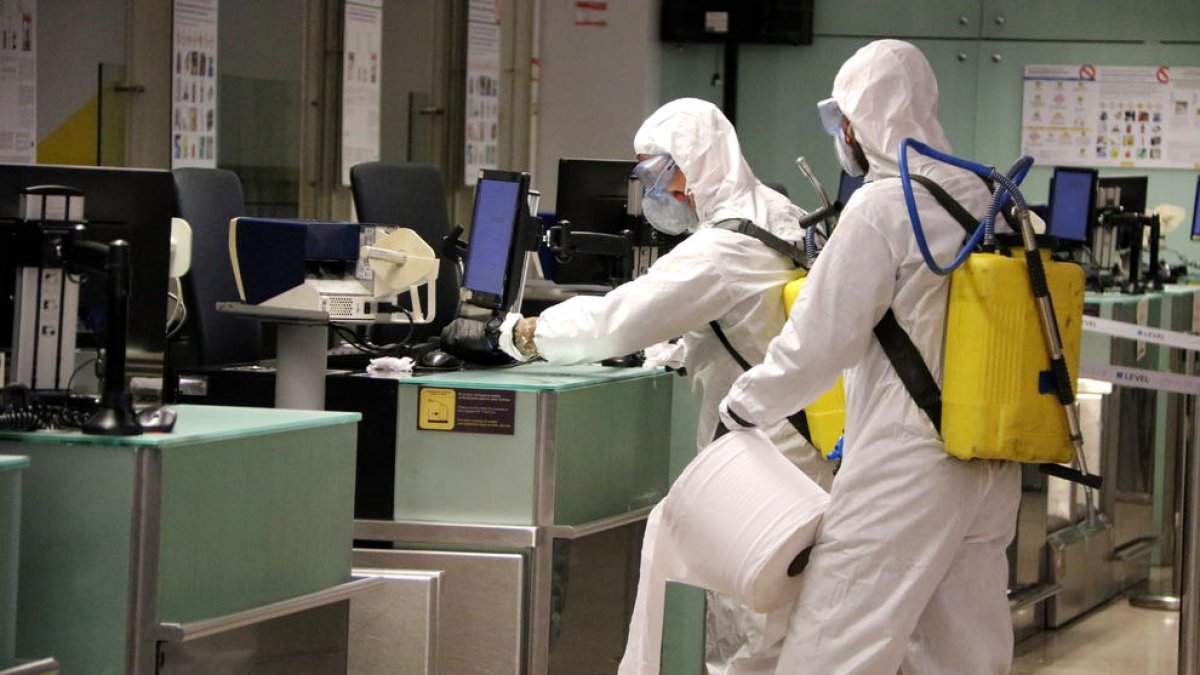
point(435, 409)
point(467, 411)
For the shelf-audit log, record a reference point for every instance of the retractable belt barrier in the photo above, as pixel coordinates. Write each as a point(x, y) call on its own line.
point(1140, 378)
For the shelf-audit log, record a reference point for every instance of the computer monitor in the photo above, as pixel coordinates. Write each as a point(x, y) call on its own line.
point(1196, 211)
point(847, 184)
point(500, 231)
point(1072, 203)
point(1128, 192)
point(593, 195)
point(131, 204)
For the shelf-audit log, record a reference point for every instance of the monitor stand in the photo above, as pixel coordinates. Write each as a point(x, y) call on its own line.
point(301, 347)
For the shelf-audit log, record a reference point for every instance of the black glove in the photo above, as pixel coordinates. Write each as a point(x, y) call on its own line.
point(468, 337)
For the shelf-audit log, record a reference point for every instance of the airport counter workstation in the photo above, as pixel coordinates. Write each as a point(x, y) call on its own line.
point(525, 490)
point(223, 543)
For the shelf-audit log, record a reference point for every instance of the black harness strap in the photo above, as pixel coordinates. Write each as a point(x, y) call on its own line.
point(780, 246)
point(904, 356)
point(799, 421)
point(956, 210)
point(910, 366)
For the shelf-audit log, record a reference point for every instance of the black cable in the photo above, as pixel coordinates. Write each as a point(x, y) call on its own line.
point(408, 335)
point(366, 346)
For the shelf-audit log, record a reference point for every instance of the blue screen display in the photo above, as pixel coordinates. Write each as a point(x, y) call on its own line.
point(1196, 212)
point(492, 227)
point(1070, 202)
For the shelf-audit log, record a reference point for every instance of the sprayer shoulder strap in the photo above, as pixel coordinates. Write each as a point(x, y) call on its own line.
point(781, 246)
point(955, 209)
point(906, 359)
point(799, 421)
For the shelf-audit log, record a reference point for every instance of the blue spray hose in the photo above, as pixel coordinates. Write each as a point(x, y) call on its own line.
point(1008, 184)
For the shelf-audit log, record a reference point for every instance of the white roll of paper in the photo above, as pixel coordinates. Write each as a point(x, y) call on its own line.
point(733, 522)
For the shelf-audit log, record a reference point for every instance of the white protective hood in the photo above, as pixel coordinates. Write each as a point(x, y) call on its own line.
point(704, 145)
point(888, 91)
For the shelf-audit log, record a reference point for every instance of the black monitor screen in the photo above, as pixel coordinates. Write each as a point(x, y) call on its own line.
point(1072, 200)
point(131, 204)
point(592, 196)
point(1128, 192)
point(496, 227)
point(1196, 212)
point(847, 184)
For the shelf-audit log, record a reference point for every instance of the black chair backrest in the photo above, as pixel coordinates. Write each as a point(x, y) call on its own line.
point(412, 196)
point(778, 187)
point(208, 199)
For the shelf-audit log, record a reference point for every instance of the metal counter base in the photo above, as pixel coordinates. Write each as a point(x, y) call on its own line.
point(514, 599)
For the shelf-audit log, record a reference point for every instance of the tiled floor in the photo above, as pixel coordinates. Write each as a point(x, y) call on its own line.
point(1116, 639)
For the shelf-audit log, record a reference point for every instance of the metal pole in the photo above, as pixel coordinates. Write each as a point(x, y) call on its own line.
point(1189, 663)
point(300, 366)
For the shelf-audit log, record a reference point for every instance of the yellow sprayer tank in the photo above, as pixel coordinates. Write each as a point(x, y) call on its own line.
point(826, 415)
point(998, 396)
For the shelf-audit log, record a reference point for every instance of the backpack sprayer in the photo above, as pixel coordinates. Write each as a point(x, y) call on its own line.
point(996, 383)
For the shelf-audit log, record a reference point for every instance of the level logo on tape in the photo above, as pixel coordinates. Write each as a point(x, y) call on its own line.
point(473, 411)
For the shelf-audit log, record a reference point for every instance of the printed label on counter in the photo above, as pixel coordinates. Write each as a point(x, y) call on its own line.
point(475, 411)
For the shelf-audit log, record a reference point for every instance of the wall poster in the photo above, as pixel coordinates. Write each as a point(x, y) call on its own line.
point(1112, 116)
point(194, 84)
point(363, 40)
point(18, 81)
point(483, 89)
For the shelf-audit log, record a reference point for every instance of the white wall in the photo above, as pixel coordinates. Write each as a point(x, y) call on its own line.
point(74, 38)
point(597, 85)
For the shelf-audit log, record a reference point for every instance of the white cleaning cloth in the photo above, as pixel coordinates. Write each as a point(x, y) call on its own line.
point(390, 364)
point(734, 520)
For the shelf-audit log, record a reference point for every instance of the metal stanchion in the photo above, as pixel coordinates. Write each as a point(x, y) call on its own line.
point(1189, 663)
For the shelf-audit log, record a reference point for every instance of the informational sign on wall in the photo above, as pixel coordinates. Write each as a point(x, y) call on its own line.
point(18, 81)
point(363, 39)
point(483, 88)
point(1124, 116)
point(194, 84)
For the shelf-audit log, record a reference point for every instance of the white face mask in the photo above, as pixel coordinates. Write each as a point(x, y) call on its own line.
point(667, 214)
point(663, 210)
point(845, 155)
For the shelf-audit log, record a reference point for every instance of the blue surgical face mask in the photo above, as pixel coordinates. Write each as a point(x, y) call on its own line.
point(665, 212)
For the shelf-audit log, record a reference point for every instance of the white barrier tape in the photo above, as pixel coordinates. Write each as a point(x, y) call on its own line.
point(1141, 378)
point(1133, 331)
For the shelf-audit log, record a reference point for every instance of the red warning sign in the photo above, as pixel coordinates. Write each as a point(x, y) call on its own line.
point(1163, 75)
point(1087, 71)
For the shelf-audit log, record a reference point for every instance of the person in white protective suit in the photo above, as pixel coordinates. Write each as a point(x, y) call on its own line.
point(908, 572)
point(696, 176)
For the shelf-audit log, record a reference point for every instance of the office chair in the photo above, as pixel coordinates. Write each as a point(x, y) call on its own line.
point(208, 199)
point(412, 196)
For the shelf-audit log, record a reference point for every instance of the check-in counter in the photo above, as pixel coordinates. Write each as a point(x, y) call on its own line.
point(527, 489)
point(227, 541)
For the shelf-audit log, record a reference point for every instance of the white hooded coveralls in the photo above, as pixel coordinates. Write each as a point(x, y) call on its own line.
point(909, 570)
point(713, 274)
